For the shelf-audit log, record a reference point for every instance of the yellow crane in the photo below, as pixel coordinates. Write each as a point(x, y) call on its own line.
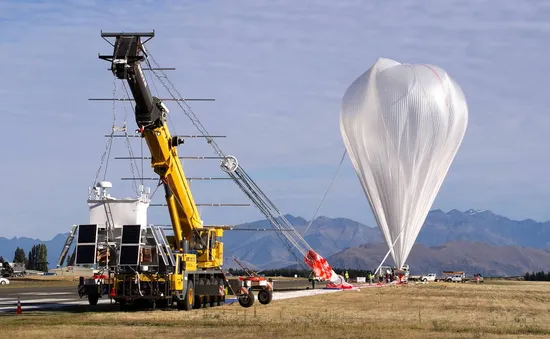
point(191, 275)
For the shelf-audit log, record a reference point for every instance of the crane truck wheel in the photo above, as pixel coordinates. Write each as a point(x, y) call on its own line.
point(187, 303)
point(199, 299)
point(247, 300)
point(93, 298)
point(265, 296)
point(162, 303)
point(206, 301)
point(213, 299)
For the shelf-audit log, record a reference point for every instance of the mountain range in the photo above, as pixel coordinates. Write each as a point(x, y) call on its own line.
point(477, 241)
point(468, 256)
point(54, 246)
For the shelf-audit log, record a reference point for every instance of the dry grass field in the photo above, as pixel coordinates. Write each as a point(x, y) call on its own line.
point(504, 309)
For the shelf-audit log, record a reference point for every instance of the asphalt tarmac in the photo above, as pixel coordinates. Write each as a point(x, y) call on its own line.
point(54, 297)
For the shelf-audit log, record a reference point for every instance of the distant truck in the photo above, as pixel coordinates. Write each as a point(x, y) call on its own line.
point(477, 278)
point(402, 273)
point(429, 277)
point(454, 276)
point(19, 269)
point(8, 269)
point(394, 273)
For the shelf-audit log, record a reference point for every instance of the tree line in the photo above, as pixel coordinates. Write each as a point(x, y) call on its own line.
point(287, 272)
point(537, 276)
point(36, 260)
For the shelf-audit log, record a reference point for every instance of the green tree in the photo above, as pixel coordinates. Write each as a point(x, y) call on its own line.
point(42, 258)
point(70, 258)
point(38, 258)
point(19, 256)
point(31, 265)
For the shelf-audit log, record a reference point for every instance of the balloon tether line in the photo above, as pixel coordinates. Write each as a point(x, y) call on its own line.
point(389, 250)
point(326, 193)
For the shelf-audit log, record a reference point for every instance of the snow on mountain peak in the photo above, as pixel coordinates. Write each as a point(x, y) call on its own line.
point(472, 211)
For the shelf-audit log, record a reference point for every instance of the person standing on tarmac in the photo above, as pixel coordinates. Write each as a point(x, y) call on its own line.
point(346, 275)
point(312, 279)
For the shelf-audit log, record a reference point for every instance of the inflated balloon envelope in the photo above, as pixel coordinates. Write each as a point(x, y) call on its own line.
point(402, 125)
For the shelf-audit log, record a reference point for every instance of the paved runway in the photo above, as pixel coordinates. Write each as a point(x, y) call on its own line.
point(40, 297)
point(52, 297)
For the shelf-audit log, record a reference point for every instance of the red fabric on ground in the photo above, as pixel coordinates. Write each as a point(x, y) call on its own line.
point(344, 286)
point(318, 264)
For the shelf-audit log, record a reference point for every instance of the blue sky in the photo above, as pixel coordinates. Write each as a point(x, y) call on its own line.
point(278, 71)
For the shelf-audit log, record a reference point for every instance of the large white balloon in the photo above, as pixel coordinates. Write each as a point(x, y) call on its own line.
point(402, 126)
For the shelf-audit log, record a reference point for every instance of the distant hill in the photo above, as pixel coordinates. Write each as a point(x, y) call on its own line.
point(477, 231)
point(483, 226)
point(330, 236)
point(471, 257)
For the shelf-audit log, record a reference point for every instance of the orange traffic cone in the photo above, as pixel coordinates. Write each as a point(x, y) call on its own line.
point(19, 310)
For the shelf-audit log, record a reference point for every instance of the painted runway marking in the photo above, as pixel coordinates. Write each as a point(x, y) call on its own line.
point(297, 294)
point(43, 293)
point(48, 305)
point(35, 301)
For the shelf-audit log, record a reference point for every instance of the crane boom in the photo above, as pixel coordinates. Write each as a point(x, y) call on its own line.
point(150, 115)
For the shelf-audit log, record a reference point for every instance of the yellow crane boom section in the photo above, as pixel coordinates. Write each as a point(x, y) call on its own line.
point(165, 162)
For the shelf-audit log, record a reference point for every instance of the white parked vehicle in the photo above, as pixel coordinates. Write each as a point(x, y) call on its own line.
point(4, 281)
point(428, 277)
point(455, 278)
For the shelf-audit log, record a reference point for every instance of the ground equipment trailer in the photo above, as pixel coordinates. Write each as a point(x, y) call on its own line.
point(94, 288)
point(144, 270)
point(243, 287)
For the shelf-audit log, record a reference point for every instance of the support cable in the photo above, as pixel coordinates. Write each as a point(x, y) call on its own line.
point(133, 158)
point(108, 144)
point(326, 193)
point(390, 250)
